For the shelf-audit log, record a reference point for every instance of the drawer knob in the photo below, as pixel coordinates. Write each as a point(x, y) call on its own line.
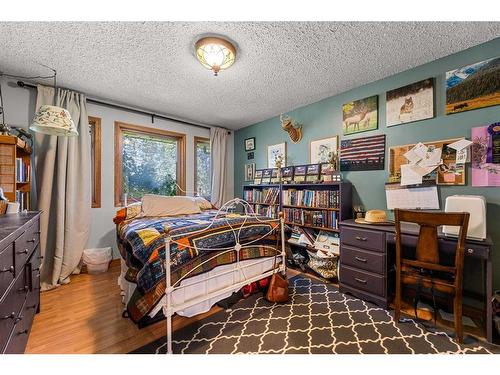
point(36, 269)
point(470, 251)
point(12, 315)
point(40, 257)
point(25, 251)
point(361, 238)
point(32, 240)
point(23, 332)
point(32, 306)
point(362, 260)
point(10, 269)
point(362, 281)
point(24, 289)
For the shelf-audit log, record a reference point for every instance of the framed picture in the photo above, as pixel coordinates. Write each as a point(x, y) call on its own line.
point(250, 156)
point(250, 144)
point(362, 154)
point(473, 86)
point(360, 115)
point(273, 152)
point(410, 103)
point(320, 149)
point(249, 172)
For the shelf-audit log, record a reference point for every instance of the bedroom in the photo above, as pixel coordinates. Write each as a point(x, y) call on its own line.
point(248, 187)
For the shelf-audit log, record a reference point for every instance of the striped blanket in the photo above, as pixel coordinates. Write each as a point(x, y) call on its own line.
point(195, 240)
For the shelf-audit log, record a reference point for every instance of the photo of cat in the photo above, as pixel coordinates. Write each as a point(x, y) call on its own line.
point(410, 103)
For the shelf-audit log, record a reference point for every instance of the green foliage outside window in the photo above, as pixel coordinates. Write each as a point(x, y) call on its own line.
point(149, 165)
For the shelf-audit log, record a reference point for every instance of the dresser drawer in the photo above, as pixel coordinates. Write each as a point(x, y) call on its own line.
point(365, 260)
point(6, 268)
point(362, 280)
point(11, 306)
point(363, 238)
point(19, 334)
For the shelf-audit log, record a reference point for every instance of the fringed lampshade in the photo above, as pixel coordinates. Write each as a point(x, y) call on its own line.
point(53, 120)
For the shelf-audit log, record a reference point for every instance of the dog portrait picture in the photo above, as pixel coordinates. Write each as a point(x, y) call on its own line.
point(410, 103)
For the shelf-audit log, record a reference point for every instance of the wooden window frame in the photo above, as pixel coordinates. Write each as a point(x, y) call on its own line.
point(181, 155)
point(96, 188)
point(196, 141)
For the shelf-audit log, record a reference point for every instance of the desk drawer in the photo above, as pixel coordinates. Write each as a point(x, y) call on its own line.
point(365, 260)
point(362, 280)
point(363, 238)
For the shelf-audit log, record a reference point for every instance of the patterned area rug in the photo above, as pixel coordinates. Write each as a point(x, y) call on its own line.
point(318, 319)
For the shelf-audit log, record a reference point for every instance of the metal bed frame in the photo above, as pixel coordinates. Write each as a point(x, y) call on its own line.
point(169, 309)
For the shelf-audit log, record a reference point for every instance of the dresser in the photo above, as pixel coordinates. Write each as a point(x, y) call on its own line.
point(367, 258)
point(19, 278)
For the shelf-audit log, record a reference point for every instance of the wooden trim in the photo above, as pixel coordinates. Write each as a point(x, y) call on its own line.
point(181, 155)
point(96, 195)
point(196, 140)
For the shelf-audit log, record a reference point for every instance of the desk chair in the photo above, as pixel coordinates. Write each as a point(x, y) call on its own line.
point(425, 269)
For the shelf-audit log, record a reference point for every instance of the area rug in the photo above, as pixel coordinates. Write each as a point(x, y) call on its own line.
point(317, 319)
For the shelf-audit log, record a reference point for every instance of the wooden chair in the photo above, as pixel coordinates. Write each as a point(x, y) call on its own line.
point(425, 269)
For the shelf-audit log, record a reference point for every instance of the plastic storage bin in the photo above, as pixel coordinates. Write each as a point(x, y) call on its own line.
point(97, 260)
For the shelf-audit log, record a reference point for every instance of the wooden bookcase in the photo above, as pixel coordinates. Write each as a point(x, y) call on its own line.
point(16, 186)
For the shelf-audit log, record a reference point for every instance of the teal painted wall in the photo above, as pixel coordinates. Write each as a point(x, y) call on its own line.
point(324, 118)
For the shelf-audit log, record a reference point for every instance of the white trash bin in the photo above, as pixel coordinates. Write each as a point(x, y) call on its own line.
point(97, 260)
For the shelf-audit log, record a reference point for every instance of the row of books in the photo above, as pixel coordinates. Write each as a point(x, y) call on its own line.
point(23, 199)
point(312, 198)
point(322, 219)
point(269, 211)
point(22, 170)
point(269, 195)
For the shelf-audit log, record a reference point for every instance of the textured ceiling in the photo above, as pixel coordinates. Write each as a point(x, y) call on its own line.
point(280, 66)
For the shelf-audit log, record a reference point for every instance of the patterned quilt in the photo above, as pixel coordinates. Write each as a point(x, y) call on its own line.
point(142, 244)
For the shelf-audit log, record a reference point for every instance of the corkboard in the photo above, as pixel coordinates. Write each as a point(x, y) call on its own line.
point(449, 174)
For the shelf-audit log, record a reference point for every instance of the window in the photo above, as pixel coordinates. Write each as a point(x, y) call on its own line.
point(95, 160)
point(202, 171)
point(147, 161)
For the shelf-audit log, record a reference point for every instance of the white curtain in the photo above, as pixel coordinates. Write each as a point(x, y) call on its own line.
point(218, 150)
point(62, 166)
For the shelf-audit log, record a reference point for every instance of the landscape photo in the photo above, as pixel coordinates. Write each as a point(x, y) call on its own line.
point(360, 115)
point(410, 103)
point(473, 86)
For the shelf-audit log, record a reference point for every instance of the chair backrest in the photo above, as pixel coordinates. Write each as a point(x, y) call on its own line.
point(427, 250)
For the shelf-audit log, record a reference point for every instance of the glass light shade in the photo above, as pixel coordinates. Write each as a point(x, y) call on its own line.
point(53, 120)
point(215, 53)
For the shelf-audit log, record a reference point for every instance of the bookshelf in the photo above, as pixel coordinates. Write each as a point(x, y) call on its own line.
point(15, 170)
point(318, 206)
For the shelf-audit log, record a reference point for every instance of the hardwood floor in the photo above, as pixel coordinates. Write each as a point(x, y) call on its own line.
point(85, 317)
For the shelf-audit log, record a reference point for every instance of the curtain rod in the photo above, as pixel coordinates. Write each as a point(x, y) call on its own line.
point(129, 109)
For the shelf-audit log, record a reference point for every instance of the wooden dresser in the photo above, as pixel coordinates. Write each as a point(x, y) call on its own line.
point(19, 278)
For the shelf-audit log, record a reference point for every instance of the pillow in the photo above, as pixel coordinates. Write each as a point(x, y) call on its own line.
point(203, 203)
point(160, 205)
point(129, 212)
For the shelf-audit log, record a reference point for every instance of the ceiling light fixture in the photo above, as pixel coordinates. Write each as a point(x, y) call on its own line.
point(215, 53)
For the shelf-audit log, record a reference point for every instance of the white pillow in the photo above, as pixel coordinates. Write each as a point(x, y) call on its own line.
point(161, 205)
point(203, 203)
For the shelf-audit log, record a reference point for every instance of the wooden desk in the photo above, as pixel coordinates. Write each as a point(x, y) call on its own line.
point(367, 256)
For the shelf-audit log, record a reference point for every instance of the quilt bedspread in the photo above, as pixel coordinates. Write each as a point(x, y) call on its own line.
point(195, 248)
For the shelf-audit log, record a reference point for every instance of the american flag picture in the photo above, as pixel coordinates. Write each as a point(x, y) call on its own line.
point(362, 154)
